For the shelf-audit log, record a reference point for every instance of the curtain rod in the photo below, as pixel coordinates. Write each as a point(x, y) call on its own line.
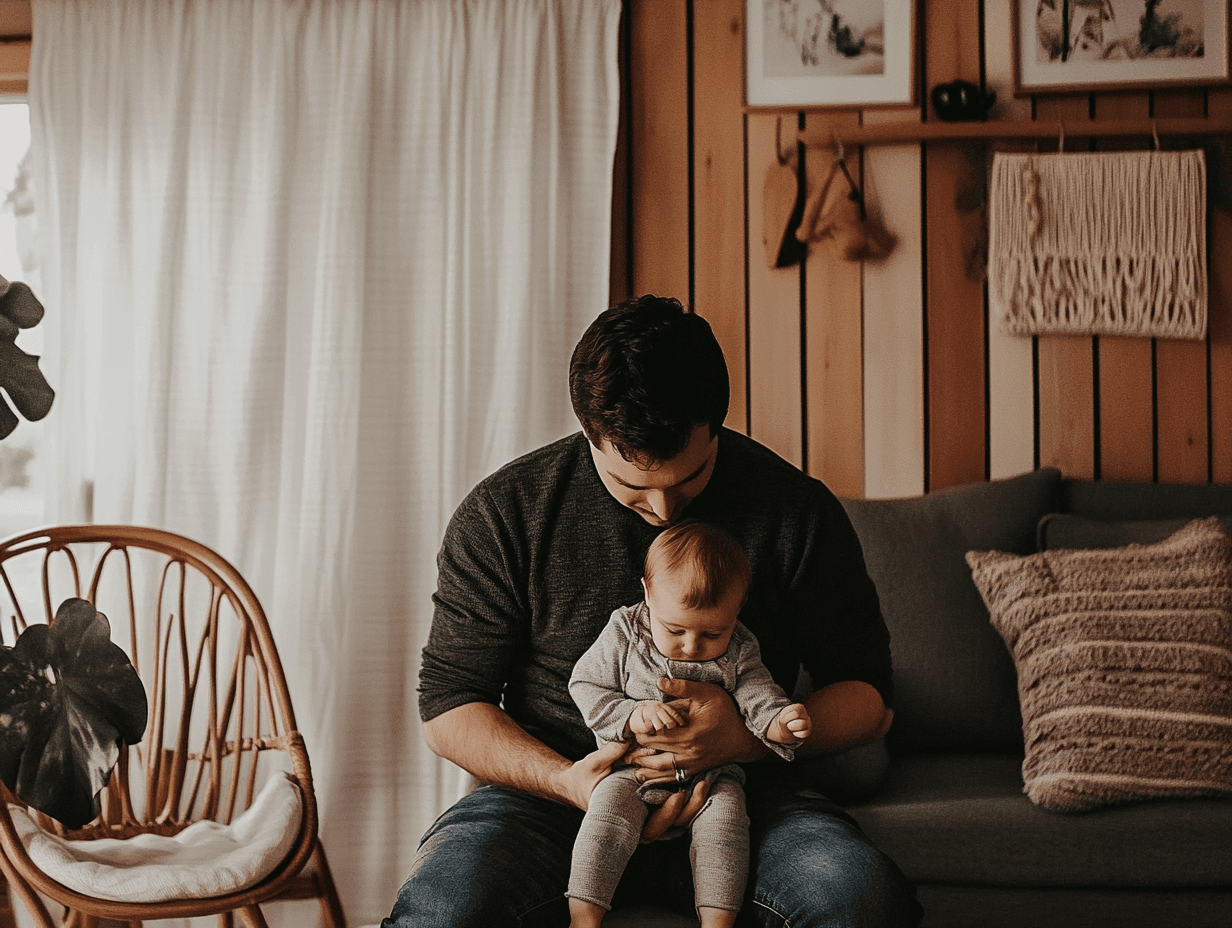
point(889, 133)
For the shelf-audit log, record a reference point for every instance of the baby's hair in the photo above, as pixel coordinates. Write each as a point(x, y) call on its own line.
point(716, 562)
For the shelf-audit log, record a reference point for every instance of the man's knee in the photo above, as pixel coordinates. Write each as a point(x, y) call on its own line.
point(852, 889)
point(812, 866)
point(424, 902)
point(494, 860)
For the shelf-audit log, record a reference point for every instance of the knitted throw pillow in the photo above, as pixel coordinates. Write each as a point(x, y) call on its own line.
point(1124, 659)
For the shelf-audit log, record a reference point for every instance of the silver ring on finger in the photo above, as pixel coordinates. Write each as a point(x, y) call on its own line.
point(681, 778)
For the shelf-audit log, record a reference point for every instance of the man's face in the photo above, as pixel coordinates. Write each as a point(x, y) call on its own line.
point(659, 493)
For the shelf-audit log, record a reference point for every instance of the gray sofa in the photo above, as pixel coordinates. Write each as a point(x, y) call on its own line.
point(944, 796)
point(951, 809)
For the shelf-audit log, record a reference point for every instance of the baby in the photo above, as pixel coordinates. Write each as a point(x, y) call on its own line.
point(695, 582)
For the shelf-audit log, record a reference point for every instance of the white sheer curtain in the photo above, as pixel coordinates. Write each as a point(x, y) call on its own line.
point(312, 268)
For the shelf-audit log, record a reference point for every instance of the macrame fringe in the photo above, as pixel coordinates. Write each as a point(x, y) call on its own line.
point(1101, 243)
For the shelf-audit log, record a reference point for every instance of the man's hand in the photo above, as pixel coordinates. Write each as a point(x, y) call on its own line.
point(715, 734)
point(579, 780)
point(678, 811)
point(651, 717)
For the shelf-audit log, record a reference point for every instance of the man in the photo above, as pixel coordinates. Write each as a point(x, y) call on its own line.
point(533, 563)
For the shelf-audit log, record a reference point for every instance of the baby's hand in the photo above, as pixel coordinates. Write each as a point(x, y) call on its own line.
point(651, 717)
point(790, 726)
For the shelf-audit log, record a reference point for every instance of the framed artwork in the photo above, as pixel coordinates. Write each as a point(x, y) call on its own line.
point(829, 53)
point(1092, 45)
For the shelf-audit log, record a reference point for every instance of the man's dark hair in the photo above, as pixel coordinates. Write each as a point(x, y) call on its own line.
point(644, 375)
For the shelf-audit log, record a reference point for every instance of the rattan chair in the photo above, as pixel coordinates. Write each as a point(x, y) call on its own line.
point(220, 722)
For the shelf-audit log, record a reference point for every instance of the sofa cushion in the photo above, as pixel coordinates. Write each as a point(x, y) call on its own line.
point(950, 906)
point(961, 819)
point(205, 859)
point(1062, 530)
point(953, 678)
point(1101, 499)
point(1124, 659)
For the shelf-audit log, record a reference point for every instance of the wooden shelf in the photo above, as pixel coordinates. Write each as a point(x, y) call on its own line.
point(891, 133)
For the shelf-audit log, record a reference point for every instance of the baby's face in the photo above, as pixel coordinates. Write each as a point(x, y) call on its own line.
point(683, 634)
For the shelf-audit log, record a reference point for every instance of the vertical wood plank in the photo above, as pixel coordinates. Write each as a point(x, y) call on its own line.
point(775, 378)
point(894, 418)
point(14, 66)
point(718, 187)
point(894, 327)
point(956, 332)
point(620, 265)
point(1065, 369)
point(833, 341)
point(1219, 104)
point(659, 147)
point(1126, 409)
point(1180, 367)
point(1011, 362)
point(16, 20)
point(1126, 389)
point(957, 405)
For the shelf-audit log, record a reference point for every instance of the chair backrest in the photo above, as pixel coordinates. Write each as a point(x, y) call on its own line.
point(220, 719)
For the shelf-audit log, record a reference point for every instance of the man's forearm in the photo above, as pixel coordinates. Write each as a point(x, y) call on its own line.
point(484, 741)
point(845, 714)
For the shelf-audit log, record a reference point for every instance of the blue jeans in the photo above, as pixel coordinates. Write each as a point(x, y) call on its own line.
point(500, 859)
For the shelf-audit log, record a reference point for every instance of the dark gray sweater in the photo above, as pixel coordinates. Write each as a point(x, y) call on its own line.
point(539, 554)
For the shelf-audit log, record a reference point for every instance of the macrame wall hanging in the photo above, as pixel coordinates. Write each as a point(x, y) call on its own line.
point(1100, 243)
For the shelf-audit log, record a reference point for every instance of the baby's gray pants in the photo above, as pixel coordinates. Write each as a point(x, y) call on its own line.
point(719, 847)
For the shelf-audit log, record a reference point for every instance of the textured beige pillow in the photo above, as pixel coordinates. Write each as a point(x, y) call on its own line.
point(1124, 659)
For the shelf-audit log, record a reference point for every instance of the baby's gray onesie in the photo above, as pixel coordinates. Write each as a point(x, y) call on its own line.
point(619, 670)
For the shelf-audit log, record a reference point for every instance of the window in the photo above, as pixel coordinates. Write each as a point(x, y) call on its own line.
point(21, 490)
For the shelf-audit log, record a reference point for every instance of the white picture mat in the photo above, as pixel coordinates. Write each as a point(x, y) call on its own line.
point(820, 86)
point(1211, 68)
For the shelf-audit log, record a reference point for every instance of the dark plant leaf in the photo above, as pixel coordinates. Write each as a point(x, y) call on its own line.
point(69, 697)
point(20, 376)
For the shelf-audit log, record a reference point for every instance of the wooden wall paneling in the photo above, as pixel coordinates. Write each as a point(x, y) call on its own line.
point(1180, 366)
point(659, 146)
point(14, 67)
point(1219, 258)
point(957, 408)
point(833, 340)
point(16, 25)
point(16, 18)
point(1065, 367)
point(894, 324)
point(775, 376)
point(1126, 388)
point(718, 187)
point(1011, 358)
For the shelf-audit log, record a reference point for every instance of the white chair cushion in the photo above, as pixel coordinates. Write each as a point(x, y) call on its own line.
point(205, 859)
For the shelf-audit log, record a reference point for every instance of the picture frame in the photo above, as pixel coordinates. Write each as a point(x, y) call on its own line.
point(1113, 45)
point(830, 53)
